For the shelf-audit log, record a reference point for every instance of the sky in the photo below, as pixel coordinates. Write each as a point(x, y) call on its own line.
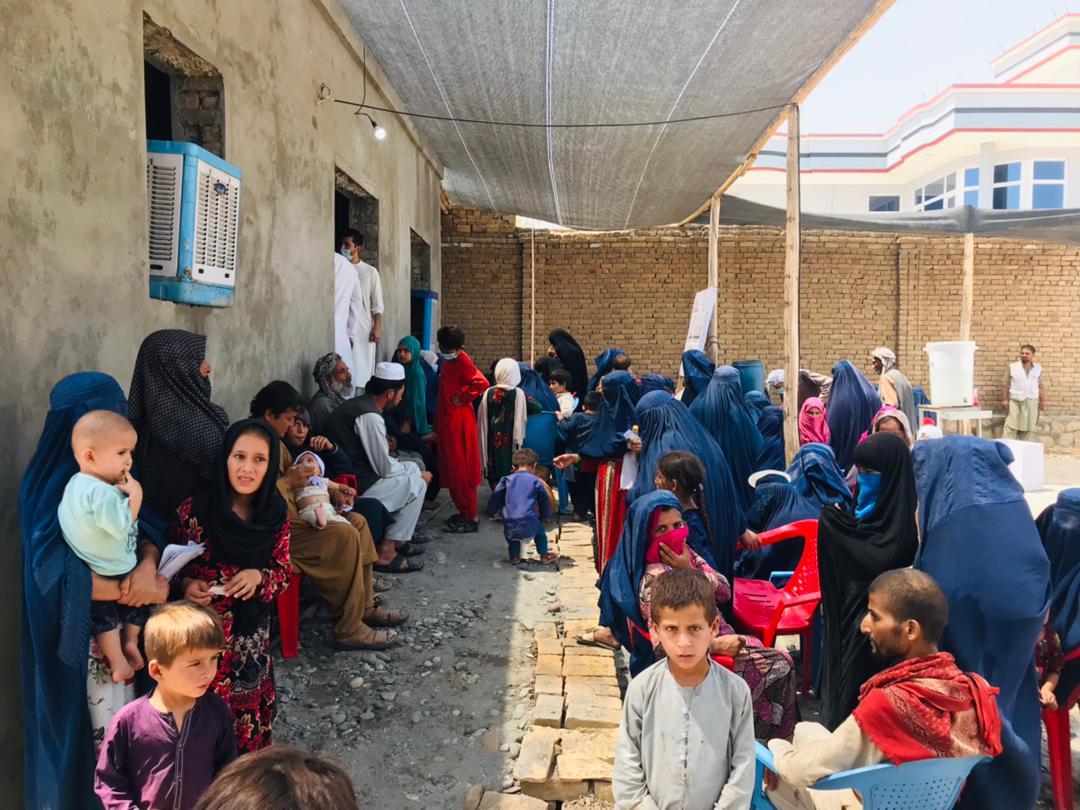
point(917, 49)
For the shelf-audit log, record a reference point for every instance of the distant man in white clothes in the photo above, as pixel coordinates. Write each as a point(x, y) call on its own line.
point(367, 328)
point(1023, 395)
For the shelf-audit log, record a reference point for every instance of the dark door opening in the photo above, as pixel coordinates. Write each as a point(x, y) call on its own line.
point(157, 95)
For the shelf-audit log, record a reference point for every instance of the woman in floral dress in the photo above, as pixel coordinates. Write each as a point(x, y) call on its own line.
point(243, 522)
point(767, 671)
point(501, 420)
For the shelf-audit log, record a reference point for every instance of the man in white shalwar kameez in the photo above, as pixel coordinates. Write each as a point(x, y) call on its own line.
point(347, 305)
point(357, 427)
point(368, 325)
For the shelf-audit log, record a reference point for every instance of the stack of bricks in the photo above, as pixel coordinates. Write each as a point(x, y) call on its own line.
point(570, 749)
point(634, 289)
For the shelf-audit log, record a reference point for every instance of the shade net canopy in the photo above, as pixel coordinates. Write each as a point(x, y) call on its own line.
point(599, 61)
point(1061, 225)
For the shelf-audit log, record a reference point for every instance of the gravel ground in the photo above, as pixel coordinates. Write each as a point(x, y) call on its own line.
point(416, 725)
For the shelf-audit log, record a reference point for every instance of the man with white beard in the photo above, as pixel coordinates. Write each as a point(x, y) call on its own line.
point(335, 384)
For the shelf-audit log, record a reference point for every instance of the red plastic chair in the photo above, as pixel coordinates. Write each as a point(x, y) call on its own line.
point(288, 610)
point(763, 610)
point(1058, 747)
point(726, 661)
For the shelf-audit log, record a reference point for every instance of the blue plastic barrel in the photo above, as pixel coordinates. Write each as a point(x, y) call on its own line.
point(751, 375)
point(540, 431)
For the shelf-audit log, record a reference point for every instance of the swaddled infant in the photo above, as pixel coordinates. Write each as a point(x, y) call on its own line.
point(313, 497)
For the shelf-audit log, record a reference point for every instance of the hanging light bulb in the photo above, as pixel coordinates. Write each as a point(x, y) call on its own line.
point(380, 132)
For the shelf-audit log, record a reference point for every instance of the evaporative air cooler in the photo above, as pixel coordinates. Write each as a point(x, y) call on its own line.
point(194, 209)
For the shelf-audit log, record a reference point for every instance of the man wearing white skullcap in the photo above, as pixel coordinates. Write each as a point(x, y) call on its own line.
point(357, 426)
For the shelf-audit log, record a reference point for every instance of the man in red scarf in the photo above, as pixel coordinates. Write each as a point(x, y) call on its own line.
point(922, 706)
point(455, 426)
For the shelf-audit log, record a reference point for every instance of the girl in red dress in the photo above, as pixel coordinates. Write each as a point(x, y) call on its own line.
point(244, 523)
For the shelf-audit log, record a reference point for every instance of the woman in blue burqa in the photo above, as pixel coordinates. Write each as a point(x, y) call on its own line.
point(981, 545)
point(776, 503)
point(534, 386)
point(605, 364)
point(1059, 528)
point(771, 427)
point(722, 412)
point(666, 424)
point(853, 548)
point(817, 477)
point(853, 402)
point(756, 403)
point(68, 696)
point(697, 372)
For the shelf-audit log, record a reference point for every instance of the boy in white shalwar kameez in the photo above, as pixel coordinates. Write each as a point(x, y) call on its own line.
point(686, 741)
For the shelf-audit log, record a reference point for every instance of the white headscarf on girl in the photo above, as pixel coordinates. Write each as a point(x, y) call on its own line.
point(507, 377)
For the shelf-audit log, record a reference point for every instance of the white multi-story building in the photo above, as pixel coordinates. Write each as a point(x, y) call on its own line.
point(1011, 144)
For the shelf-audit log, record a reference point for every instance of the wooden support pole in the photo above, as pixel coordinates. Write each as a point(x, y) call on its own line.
point(712, 347)
point(792, 244)
point(967, 301)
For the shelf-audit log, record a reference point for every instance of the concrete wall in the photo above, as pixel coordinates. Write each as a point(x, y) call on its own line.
point(73, 292)
point(634, 289)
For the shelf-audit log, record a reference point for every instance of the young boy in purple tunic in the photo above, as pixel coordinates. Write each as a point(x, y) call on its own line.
point(525, 502)
point(164, 749)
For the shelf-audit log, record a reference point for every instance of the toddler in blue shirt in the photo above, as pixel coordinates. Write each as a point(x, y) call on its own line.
point(525, 501)
point(98, 516)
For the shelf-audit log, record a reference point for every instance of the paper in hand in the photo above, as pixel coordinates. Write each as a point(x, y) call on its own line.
point(175, 557)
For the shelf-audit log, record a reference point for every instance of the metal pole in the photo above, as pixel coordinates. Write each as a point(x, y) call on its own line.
point(532, 297)
point(792, 233)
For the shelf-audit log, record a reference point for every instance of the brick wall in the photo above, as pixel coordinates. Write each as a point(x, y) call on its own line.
point(635, 289)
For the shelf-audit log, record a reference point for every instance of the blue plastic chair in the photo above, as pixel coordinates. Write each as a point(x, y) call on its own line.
point(926, 784)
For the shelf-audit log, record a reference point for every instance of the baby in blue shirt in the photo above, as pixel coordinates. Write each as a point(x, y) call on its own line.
point(98, 516)
point(525, 502)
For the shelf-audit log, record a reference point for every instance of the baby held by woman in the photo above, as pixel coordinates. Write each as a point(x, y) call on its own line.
point(313, 497)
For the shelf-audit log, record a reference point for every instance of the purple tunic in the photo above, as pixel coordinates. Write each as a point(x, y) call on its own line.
point(524, 501)
point(145, 762)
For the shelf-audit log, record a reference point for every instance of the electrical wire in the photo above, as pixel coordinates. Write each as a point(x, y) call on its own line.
point(527, 125)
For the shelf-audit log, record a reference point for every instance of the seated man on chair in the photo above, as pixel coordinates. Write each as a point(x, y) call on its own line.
point(920, 707)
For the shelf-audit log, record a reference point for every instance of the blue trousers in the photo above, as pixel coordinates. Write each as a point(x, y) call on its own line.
point(540, 540)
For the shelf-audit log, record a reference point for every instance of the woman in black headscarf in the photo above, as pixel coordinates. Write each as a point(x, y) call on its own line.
point(564, 347)
point(853, 548)
point(244, 523)
point(180, 429)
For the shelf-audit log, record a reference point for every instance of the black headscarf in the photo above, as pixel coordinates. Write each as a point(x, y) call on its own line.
point(180, 430)
point(250, 543)
point(851, 553)
point(573, 360)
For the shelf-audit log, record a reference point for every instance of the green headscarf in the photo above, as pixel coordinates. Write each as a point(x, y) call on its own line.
point(415, 401)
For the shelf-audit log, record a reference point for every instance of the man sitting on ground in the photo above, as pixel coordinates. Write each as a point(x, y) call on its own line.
point(334, 382)
point(357, 426)
point(921, 707)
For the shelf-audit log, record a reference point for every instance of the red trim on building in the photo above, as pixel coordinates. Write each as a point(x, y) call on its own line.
point(1028, 39)
point(1038, 65)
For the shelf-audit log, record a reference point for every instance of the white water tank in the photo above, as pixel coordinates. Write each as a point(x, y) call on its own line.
point(952, 372)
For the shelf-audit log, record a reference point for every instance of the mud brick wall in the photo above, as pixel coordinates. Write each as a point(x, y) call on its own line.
point(635, 289)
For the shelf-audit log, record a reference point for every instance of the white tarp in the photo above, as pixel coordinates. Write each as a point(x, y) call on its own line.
point(590, 61)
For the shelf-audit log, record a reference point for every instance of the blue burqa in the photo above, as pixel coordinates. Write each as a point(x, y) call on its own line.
point(622, 576)
point(615, 417)
point(776, 503)
point(1059, 528)
point(534, 386)
point(605, 362)
point(817, 477)
point(853, 402)
point(697, 372)
point(665, 424)
point(657, 382)
point(756, 403)
point(981, 545)
point(56, 609)
point(771, 427)
point(722, 412)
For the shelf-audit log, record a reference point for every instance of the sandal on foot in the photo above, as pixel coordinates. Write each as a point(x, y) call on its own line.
point(398, 565)
point(455, 519)
point(386, 618)
point(549, 558)
point(515, 560)
point(382, 586)
point(371, 640)
point(588, 639)
point(409, 550)
point(465, 527)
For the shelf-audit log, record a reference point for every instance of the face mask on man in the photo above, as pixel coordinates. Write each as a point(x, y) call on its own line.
point(869, 489)
point(448, 355)
point(347, 253)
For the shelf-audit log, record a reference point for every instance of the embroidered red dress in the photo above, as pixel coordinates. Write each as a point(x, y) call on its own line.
point(245, 676)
